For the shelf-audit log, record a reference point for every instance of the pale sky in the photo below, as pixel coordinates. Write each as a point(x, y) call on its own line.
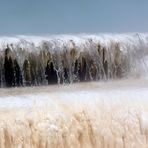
point(72, 16)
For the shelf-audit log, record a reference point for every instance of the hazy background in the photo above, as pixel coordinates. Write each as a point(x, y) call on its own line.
point(72, 16)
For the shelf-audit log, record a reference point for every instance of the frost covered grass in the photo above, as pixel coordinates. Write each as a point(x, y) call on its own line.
point(86, 115)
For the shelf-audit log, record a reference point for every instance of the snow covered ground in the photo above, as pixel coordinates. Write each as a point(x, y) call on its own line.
point(134, 91)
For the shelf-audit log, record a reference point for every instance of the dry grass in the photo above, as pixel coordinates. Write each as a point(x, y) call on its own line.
point(77, 117)
point(101, 127)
